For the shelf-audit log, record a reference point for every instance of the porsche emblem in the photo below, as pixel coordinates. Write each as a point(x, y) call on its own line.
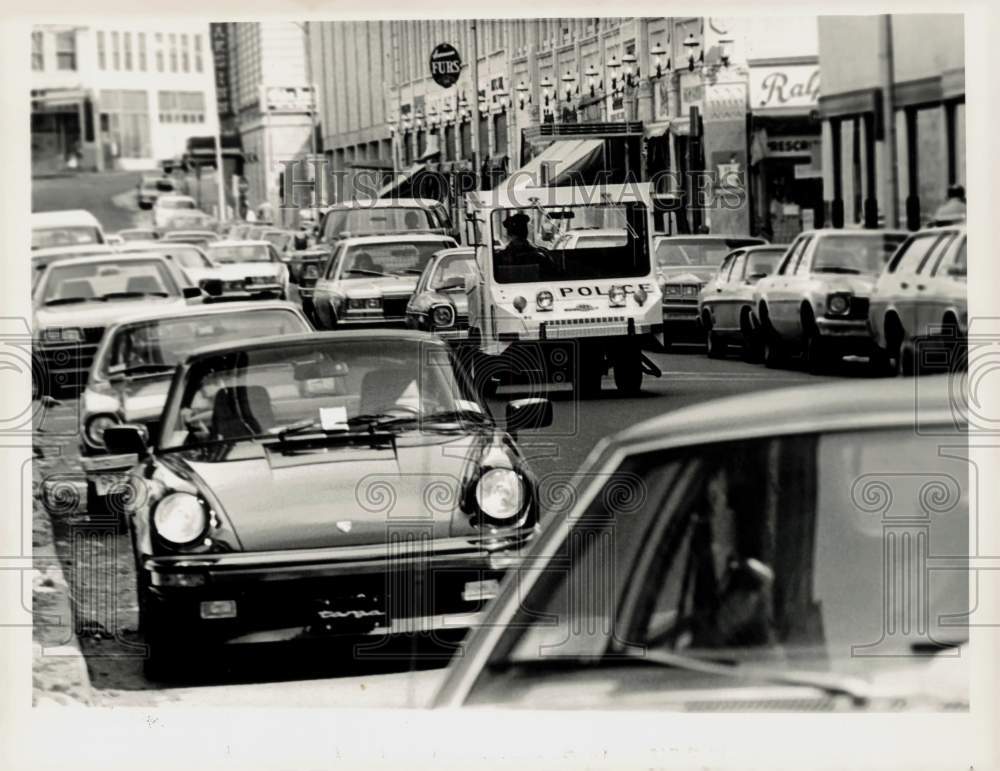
point(344, 525)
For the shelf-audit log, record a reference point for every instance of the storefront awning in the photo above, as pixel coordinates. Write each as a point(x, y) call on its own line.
point(554, 164)
point(401, 178)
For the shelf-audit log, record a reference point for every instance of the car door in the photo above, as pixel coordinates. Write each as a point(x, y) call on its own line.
point(727, 309)
point(930, 296)
point(783, 307)
point(711, 293)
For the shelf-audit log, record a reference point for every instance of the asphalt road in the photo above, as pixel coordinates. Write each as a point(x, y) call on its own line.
point(101, 574)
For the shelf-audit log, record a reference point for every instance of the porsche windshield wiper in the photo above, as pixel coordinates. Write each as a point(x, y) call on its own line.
point(68, 300)
point(857, 690)
point(125, 295)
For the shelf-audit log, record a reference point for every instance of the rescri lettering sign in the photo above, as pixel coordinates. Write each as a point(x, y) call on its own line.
point(446, 65)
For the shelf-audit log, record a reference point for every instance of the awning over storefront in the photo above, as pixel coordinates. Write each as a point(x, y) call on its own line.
point(556, 163)
point(401, 178)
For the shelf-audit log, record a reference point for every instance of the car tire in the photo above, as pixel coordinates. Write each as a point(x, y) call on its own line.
point(772, 351)
point(815, 353)
point(627, 371)
point(590, 373)
point(715, 346)
point(881, 363)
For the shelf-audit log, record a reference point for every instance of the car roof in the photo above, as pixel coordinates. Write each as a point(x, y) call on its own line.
point(284, 341)
point(202, 310)
point(115, 256)
point(855, 232)
point(175, 197)
point(82, 250)
point(595, 232)
point(389, 238)
point(802, 409)
point(67, 217)
point(958, 226)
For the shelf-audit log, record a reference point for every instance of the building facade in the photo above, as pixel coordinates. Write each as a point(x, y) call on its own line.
point(92, 103)
point(909, 67)
point(272, 102)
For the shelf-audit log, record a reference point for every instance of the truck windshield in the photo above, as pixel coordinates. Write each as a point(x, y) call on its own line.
point(553, 243)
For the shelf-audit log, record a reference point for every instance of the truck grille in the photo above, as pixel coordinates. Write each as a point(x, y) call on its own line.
point(595, 326)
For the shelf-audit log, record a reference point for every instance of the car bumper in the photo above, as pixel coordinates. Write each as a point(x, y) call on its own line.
point(844, 329)
point(681, 322)
point(377, 590)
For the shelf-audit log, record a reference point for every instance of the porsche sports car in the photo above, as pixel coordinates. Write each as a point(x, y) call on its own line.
point(345, 484)
point(135, 361)
point(439, 303)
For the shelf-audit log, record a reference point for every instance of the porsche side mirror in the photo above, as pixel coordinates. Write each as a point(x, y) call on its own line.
point(127, 439)
point(522, 414)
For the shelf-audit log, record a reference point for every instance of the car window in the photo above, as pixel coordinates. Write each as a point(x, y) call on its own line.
point(108, 280)
point(452, 268)
point(44, 238)
point(187, 258)
point(737, 549)
point(854, 253)
point(933, 260)
point(960, 257)
point(911, 255)
point(800, 258)
point(761, 262)
point(794, 252)
point(736, 268)
point(390, 258)
point(722, 274)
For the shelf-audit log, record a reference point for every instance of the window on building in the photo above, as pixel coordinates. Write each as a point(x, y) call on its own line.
point(142, 51)
point(127, 40)
point(102, 53)
point(173, 52)
point(66, 50)
point(37, 52)
point(181, 106)
point(125, 122)
point(116, 52)
point(185, 54)
point(199, 64)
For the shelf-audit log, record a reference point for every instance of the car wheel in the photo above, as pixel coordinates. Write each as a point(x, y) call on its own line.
point(589, 375)
point(817, 357)
point(772, 351)
point(627, 371)
point(715, 346)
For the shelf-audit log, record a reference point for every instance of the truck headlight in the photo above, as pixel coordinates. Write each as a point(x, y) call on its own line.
point(443, 316)
point(671, 289)
point(616, 296)
point(500, 493)
point(96, 426)
point(180, 518)
point(62, 335)
point(543, 300)
point(838, 304)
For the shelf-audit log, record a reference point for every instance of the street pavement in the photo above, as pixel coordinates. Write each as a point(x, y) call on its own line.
point(102, 577)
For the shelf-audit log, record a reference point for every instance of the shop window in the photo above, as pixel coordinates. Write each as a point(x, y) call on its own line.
point(181, 106)
point(66, 50)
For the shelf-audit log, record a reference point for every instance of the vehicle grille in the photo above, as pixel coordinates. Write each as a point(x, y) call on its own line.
point(395, 307)
point(462, 321)
point(594, 326)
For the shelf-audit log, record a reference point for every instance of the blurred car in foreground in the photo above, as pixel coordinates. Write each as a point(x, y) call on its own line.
point(725, 304)
point(249, 269)
point(75, 299)
point(195, 237)
point(439, 303)
point(816, 301)
point(299, 485)
point(918, 313)
point(683, 265)
point(369, 280)
point(135, 362)
point(69, 227)
point(718, 537)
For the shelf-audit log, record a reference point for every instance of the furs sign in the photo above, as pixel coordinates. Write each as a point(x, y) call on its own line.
point(446, 65)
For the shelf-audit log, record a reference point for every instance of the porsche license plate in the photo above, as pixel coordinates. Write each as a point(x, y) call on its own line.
point(350, 615)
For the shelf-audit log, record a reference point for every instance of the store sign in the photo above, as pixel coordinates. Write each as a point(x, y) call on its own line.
point(792, 86)
point(446, 65)
point(793, 146)
point(220, 55)
point(295, 99)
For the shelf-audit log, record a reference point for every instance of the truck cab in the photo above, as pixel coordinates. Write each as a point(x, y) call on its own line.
point(545, 306)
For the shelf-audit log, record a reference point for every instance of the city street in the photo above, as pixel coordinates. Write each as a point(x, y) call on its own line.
point(287, 675)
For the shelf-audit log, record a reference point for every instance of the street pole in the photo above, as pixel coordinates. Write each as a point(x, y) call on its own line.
point(219, 183)
point(889, 123)
point(313, 105)
point(475, 105)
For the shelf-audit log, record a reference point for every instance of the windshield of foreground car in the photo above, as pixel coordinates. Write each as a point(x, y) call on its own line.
point(44, 238)
point(855, 253)
point(736, 552)
point(325, 385)
point(389, 258)
point(165, 343)
point(226, 254)
point(107, 281)
point(452, 268)
point(530, 247)
point(696, 252)
point(384, 219)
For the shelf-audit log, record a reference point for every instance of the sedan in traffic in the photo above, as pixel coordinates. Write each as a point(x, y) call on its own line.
point(439, 303)
point(249, 269)
point(322, 486)
point(699, 565)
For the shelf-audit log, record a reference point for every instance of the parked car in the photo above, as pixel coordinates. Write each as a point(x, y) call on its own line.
point(75, 299)
point(150, 188)
point(816, 301)
point(439, 303)
point(717, 535)
point(725, 304)
point(170, 206)
point(249, 269)
point(320, 428)
point(69, 227)
point(918, 313)
point(382, 216)
point(135, 362)
point(195, 237)
point(139, 234)
point(369, 280)
point(684, 264)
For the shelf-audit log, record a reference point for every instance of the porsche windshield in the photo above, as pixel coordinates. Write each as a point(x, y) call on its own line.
point(322, 386)
point(530, 244)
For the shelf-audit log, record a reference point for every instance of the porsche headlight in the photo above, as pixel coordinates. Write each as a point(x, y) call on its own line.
point(500, 493)
point(180, 518)
point(443, 316)
point(543, 300)
point(96, 426)
point(616, 296)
